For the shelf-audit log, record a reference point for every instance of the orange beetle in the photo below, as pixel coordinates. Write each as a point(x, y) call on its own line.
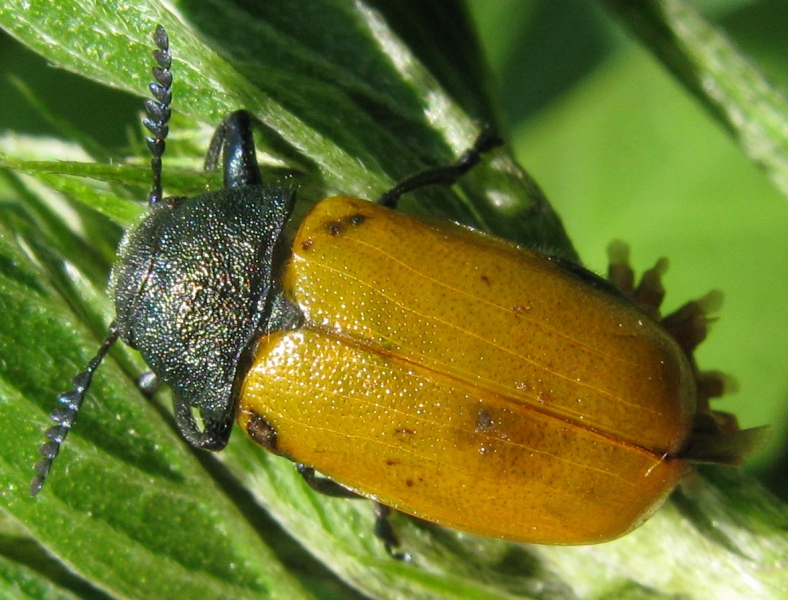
point(470, 382)
point(438, 370)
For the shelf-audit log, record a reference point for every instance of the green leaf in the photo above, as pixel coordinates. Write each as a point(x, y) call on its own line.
point(726, 81)
point(388, 118)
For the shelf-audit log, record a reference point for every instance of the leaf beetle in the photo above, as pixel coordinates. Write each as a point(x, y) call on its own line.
point(440, 371)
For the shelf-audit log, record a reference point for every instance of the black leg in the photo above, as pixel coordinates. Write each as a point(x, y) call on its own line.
point(234, 140)
point(445, 175)
point(148, 384)
point(324, 485)
point(383, 529)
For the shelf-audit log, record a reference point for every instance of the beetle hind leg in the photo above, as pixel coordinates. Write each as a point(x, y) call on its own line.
point(383, 530)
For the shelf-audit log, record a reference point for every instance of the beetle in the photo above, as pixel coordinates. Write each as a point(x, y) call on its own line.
point(440, 371)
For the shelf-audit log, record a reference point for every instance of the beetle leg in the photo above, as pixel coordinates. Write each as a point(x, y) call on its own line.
point(324, 485)
point(384, 531)
point(234, 140)
point(383, 528)
point(148, 384)
point(444, 175)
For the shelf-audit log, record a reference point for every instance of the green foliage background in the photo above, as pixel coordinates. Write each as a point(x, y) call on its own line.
point(621, 148)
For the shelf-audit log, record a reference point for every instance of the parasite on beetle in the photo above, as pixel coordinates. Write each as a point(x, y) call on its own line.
point(440, 371)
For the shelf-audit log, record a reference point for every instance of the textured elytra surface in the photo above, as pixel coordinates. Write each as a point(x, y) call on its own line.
point(451, 300)
point(469, 382)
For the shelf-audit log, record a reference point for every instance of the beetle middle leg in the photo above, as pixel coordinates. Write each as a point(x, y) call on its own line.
point(383, 530)
point(148, 384)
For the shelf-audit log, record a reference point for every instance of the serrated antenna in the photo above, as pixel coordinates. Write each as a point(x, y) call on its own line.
point(65, 416)
point(159, 109)
point(157, 123)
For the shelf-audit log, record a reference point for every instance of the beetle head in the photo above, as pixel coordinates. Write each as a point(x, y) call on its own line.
point(193, 281)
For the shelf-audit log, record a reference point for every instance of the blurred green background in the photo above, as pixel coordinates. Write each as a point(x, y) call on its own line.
point(621, 150)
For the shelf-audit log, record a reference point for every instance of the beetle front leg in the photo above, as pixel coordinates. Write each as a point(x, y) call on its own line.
point(234, 140)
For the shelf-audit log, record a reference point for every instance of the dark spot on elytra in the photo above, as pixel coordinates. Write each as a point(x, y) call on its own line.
point(261, 432)
point(485, 279)
point(404, 431)
point(306, 244)
point(390, 462)
point(409, 482)
point(484, 420)
point(334, 227)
